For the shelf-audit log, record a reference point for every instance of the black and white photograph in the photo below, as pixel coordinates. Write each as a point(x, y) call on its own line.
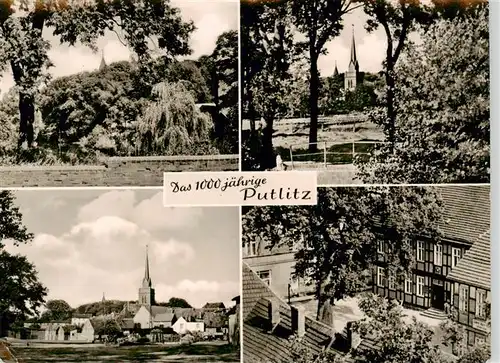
point(113, 276)
point(367, 92)
point(369, 274)
point(114, 93)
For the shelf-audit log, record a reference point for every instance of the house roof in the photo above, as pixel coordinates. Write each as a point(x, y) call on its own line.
point(262, 345)
point(127, 324)
point(466, 211)
point(167, 316)
point(475, 267)
point(214, 305)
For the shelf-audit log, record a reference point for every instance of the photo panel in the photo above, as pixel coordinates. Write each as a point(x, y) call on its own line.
point(112, 275)
point(373, 92)
point(115, 93)
point(367, 275)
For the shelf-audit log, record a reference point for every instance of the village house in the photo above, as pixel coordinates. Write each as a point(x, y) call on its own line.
point(275, 266)
point(181, 326)
point(437, 281)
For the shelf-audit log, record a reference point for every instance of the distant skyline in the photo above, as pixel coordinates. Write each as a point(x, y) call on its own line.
point(90, 242)
point(211, 18)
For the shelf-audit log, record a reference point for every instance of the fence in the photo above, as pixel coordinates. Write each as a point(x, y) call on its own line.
point(330, 152)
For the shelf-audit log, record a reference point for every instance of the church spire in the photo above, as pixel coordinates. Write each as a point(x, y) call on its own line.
point(146, 281)
point(336, 70)
point(354, 59)
point(103, 61)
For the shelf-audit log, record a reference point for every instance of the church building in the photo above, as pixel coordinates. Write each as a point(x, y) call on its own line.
point(352, 77)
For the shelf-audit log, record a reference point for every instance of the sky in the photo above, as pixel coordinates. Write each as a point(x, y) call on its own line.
point(211, 19)
point(90, 242)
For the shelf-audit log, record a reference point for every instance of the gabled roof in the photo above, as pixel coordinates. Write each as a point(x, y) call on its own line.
point(475, 267)
point(127, 324)
point(260, 345)
point(214, 305)
point(167, 316)
point(466, 211)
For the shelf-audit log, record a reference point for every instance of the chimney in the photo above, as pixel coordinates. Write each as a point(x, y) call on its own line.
point(353, 338)
point(273, 312)
point(298, 321)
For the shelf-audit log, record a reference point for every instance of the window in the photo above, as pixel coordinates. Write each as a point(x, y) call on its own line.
point(251, 248)
point(392, 281)
point(420, 285)
point(480, 340)
point(380, 247)
point(420, 251)
point(456, 255)
point(481, 304)
point(294, 283)
point(463, 302)
point(408, 286)
point(380, 276)
point(438, 254)
point(265, 276)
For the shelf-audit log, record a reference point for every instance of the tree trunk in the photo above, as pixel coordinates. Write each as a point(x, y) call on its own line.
point(391, 114)
point(313, 100)
point(268, 161)
point(319, 297)
point(27, 118)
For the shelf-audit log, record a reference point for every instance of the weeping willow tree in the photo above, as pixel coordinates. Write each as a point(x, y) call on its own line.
point(172, 124)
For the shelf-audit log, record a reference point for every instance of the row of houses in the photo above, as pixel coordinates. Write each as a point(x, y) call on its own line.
point(181, 321)
point(450, 275)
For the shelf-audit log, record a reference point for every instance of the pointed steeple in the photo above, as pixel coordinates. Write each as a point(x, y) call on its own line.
point(336, 70)
point(146, 281)
point(103, 297)
point(354, 59)
point(103, 61)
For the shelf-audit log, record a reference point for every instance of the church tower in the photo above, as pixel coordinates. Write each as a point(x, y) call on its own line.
point(352, 74)
point(146, 292)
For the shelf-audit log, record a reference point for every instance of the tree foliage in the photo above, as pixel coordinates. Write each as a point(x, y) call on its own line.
point(339, 234)
point(21, 294)
point(398, 20)
point(442, 129)
point(172, 124)
point(396, 340)
point(268, 76)
point(137, 24)
point(57, 310)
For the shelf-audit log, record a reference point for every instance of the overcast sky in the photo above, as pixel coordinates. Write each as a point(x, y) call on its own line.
point(90, 242)
point(211, 19)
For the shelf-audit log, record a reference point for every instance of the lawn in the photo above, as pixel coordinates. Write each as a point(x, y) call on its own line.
point(200, 352)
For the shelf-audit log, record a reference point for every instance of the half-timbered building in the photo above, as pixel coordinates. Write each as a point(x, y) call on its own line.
point(434, 284)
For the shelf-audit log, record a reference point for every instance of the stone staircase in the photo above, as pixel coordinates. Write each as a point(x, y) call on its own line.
point(434, 313)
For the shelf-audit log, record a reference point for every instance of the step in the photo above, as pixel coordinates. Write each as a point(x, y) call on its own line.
point(435, 314)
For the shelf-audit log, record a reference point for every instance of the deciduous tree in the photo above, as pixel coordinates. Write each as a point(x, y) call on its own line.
point(272, 81)
point(398, 19)
point(21, 293)
point(339, 235)
point(319, 21)
point(173, 125)
point(25, 50)
point(396, 340)
point(443, 124)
